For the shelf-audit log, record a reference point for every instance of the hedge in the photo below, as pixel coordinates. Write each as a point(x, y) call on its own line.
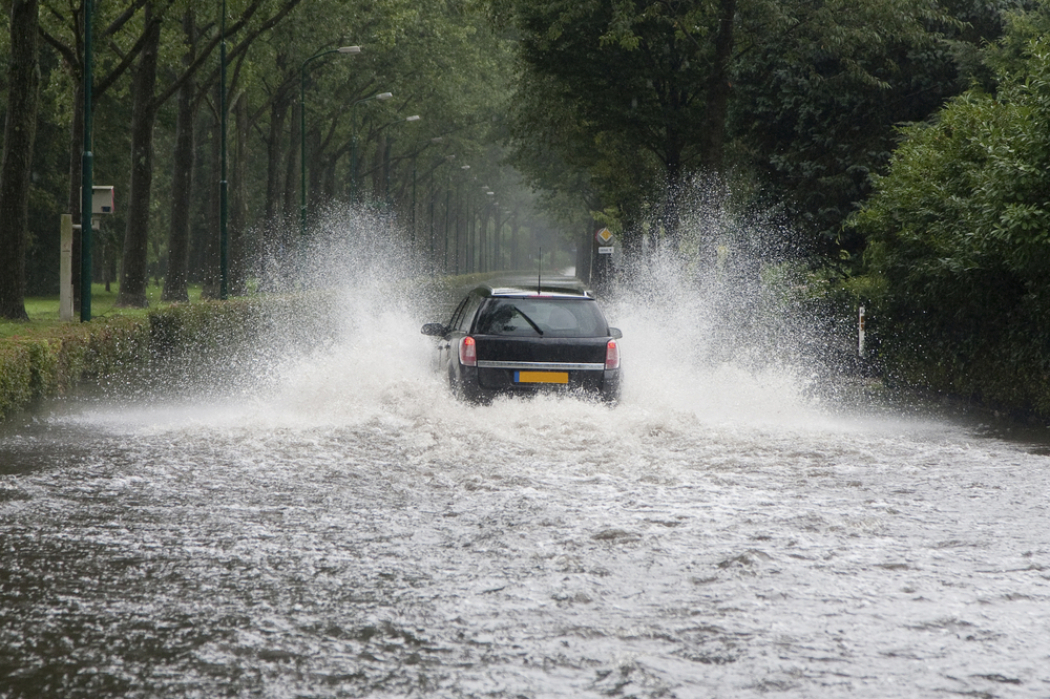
point(51, 362)
point(189, 337)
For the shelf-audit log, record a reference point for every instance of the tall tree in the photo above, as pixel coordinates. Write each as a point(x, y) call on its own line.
point(133, 274)
point(649, 78)
point(175, 281)
point(651, 82)
point(16, 168)
point(819, 120)
point(959, 232)
point(455, 74)
point(144, 113)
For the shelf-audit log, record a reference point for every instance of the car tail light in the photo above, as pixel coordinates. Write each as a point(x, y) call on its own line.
point(468, 352)
point(612, 355)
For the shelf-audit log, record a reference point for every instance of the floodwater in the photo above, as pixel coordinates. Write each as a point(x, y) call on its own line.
point(350, 530)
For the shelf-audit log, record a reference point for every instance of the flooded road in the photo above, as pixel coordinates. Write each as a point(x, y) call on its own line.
point(351, 530)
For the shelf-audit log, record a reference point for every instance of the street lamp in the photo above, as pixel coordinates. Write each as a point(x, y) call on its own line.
point(224, 184)
point(86, 174)
point(435, 140)
point(485, 252)
point(464, 240)
point(353, 50)
point(389, 145)
point(353, 152)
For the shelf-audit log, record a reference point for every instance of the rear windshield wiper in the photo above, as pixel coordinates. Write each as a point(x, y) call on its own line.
point(529, 320)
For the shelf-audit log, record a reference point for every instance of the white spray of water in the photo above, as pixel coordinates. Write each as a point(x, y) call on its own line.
point(701, 346)
point(700, 343)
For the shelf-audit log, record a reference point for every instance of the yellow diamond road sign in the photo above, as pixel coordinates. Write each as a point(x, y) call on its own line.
point(604, 236)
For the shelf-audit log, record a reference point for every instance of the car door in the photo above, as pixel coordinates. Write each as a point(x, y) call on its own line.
point(458, 327)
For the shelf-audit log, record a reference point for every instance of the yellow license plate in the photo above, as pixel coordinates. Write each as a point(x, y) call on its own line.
point(541, 377)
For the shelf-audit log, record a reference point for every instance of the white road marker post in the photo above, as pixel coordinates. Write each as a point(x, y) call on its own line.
point(860, 332)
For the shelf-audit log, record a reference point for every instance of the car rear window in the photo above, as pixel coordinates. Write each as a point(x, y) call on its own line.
point(546, 317)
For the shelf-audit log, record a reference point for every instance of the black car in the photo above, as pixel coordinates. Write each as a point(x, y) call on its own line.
point(520, 336)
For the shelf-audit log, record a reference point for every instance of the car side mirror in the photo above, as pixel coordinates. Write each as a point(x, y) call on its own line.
point(615, 333)
point(434, 330)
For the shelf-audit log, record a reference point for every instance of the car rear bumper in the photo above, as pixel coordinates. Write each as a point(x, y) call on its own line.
point(490, 379)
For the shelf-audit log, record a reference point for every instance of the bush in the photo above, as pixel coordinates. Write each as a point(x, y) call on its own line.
point(16, 377)
point(959, 240)
point(52, 361)
point(187, 339)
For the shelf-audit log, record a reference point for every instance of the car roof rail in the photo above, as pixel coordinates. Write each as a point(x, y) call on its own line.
point(517, 285)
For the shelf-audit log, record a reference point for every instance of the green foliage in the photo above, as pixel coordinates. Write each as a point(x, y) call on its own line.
point(617, 99)
point(611, 103)
point(818, 128)
point(16, 377)
point(817, 105)
point(959, 234)
point(442, 60)
point(53, 361)
point(183, 338)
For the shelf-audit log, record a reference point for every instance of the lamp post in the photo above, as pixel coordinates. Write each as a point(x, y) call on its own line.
point(388, 160)
point(463, 169)
point(353, 152)
point(302, 126)
point(436, 139)
point(487, 241)
point(224, 185)
point(86, 165)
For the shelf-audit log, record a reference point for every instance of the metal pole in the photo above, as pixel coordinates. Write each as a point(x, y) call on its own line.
point(353, 157)
point(353, 149)
point(497, 233)
point(386, 172)
point(413, 234)
point(224, 185)
point(302, 148)
point(433, 242)
point(86, 185)
point(448, 198)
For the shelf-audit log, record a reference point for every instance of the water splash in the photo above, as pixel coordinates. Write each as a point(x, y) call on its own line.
point(713, 321)
point(709, 335)
point(708, 329)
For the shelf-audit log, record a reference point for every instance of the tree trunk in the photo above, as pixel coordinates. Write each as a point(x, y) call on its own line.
point(584, 250)
point(314, 174)
point(291, 177)
point(329, 177)
point(274, 151)
point(670, 216)
point(238, 223)
point(176, 281)
point(718, 89)
point(210, 277)
point(515, 244)
point(133, 275)
point(23, 95)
